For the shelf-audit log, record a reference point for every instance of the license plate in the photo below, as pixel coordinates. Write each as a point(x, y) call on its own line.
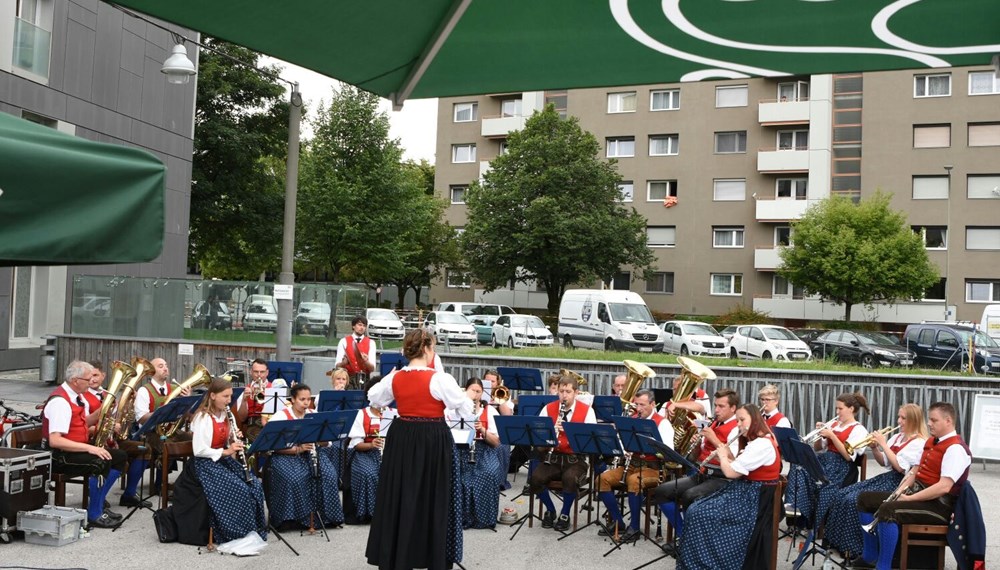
point(797, 356)
point(906, 363)
point(645, 349)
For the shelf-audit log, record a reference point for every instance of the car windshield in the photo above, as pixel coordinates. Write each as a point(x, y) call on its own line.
point(382, 315)
point(699, 329)
point(530, 321)
point(452, 318)
point(314, 308)
point(877, 339)
point(261, 309)
point(779, 334)
point(631, 313)
point(981, 339)
point(483, 310)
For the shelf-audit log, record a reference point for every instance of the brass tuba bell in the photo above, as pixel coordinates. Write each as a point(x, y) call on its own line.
point(120, 373)
point(200, 377)
point(693, 373)
point(637, 374)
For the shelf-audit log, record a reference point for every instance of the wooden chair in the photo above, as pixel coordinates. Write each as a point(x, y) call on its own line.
point(33, 438)
point(556, 487)
point(181, 450)
point(922, 535)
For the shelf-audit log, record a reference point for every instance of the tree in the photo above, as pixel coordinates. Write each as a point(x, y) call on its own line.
point(852, 254)
point(550, 210)
point(238, 169)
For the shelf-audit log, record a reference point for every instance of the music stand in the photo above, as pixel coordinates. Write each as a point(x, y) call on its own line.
point(388, 361)
point(606, 408)
point(276, 436)
point(532, 405)
point(667, 454)
point(802, 455)
point(531, 431)
point(594, 440)
point(340, 400)
point(291, 372)
point(524, 379)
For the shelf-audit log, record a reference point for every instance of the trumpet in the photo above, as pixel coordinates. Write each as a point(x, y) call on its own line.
point(813, 436)
point(868, 440)
point(905, 484)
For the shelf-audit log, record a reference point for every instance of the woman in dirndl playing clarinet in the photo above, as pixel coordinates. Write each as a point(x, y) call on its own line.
point(479, 463)
point(364, 459)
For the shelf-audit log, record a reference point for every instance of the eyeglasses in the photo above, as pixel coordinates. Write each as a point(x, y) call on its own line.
point(768, 399)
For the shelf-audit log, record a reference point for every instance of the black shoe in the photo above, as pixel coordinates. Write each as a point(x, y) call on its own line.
point(631, 535)
point(113, 514)
point(133, 502)
point(548, 519)
point(860, 562)
point(103, 521)
point(610, 531)
point(562, 523)
point(107, 505)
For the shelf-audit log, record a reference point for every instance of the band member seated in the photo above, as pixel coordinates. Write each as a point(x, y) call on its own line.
point(503, 409)
point(249, 411)
point(721, 432)
point(769, 398)
point(235, 496)
point(898, 454)
point(618, 384)
point(356, 353)
point(303, 481)
point(643, 472)
point(833, 457)
point(553, 382)
point(565, 465)
point(478, 463)
point(731, 528)
point(66, 419)
point(928, 493)
point(698, 403)
point(364, 459)
point(339, 378)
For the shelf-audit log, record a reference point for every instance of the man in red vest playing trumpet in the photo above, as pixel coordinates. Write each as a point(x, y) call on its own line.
point(356, 353)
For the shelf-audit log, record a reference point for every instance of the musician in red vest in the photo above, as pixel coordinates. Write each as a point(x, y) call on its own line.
point(95, 391)
point(643, 472)
point(356, 353)
point(565, 465)
point(66, 420)
point(929, 490)
point(769, 399)
point(249, 411)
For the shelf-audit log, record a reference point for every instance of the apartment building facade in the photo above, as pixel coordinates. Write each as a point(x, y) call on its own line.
point(721, 170)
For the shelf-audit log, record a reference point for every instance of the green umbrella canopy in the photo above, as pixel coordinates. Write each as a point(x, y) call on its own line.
point(404, 49)
point(67, 200)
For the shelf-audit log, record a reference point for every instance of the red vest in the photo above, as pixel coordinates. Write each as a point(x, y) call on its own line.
point(933, 456)
point(253, 408)
point(92, 399)
point(371, 426)
point(484, 417)
point(842, 435)
point(353, 366)
point(768, 472)
point(774, 419)
point(412, 389)
point(902, 443)
point(722, 431)
point(220, 434)
point(657, 418)
point(579, 416)
point(78, 418)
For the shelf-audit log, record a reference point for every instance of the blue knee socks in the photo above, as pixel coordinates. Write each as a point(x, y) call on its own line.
point(608, 498)
point(95, 506)
point(673, 515)
point(888, 536)
point(546, 500)
point(567, 505)
point(134, 477)
point(871, 546)
point(634, 507)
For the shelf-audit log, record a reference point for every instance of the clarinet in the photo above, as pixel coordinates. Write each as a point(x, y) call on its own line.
point(314, 461)
point(563, 412)
point(472, 446)
point(240, 455)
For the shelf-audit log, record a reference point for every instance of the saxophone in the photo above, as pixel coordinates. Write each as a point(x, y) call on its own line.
point(241, 456)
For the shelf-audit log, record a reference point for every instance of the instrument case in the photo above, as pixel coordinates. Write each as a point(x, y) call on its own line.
point(24, 478)
point(52, 526)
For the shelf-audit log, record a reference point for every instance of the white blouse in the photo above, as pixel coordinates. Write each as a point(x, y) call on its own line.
point(202, 430)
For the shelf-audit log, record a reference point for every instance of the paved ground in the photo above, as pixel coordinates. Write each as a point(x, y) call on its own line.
point(135, 544)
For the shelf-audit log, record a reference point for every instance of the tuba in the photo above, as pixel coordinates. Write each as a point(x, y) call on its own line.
point(580, 380)
point(637, 373)
point(200, 377)
point(106, 419)
point(693, 373)
point(125, 415)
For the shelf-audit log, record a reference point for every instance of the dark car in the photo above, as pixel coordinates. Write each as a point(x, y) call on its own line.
point(949, 346)
point(808, 335)
point(867, 349)
point(211, 315)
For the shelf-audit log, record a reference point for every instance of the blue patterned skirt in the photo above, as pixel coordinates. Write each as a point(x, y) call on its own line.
point(237, 506)
point(364, 481)
point(843, 527)
point(294, 494)
point(718, 528)
point(480, 486)
point(800, 489)
point(503, 451)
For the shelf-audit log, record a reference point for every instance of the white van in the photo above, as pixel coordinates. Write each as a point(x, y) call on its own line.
point(608, 319)
point(990, 323)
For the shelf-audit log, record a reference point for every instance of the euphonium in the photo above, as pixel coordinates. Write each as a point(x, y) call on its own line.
point(637, 374)
point(868, 440)
point(201, 377)
point(693, 373)
point(125, 414)
point(813, 436)
point(106, 419)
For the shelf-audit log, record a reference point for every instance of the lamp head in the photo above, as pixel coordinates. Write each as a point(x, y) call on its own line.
point(178, 67)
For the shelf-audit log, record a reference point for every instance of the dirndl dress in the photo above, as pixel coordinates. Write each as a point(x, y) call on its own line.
point(295, 494)
point(237, 506)
point(843, 527)
point(417, 522)
point(720, 529)
point(503, 451)
point(800, 489)
point(479, 486)
point(364, 467)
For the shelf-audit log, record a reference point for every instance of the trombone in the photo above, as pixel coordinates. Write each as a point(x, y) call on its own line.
point(868, 440)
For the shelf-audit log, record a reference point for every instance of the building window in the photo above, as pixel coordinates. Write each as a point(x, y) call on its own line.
point(727, 284)
point(791, 188)
point(510, 107)
point(984, 134)
point(661, 236)
point(621, 102)
point(782, 236)
point(665, 100)
point(931, 136)
point(559, 100)
point(458, 279)
point(793, 140)
point(984, 239)
point(458, 193)
point(727, 237)
point(983, 83)
point(982, 291)
point(664, 145)
point(33, 37)
point(658, 190)
point(730, 142)
point(731, 96)
point(466, 112)
point(930, 187)
point(621, 281)
point(626, 189)
point(983, 186)
point(621, 147)
point(662, 282)
point(463, 153)
point(783, 288)
point(937, 85)
point(793, 91)
point(936, 292)
point(729, 190)
point(502, 148)
point(935, 237)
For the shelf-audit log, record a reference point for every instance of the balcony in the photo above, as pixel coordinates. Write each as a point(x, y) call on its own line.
point(780, 210)
point(767, 258)
point(814, 309)
point(499, 127)
point(790, 160)
point(783, 112)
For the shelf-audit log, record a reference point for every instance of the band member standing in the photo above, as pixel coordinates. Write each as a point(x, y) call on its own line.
point(899, 453)
point(66, 420)
point(769, 399)
point(565, 465)
point(731, 528)
point(249, 411)
point(643, 472)
point(237, 506)
point(479, 464)
point(365, 459)
point(938, 480)
point(417, 523)
point(356, 353)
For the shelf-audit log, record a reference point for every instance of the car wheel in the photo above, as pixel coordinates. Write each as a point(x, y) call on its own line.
point(609, 344)
point(684, 350)
point(733, 354)
point(568, 342)
point(510, 342)
point(868, 361)
point(494, 342)
point(766, 355)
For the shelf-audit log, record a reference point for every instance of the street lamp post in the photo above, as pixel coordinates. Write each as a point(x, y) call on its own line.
point(947, 249)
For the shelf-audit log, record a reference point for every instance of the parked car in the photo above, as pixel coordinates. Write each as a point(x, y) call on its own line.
point(767, 342)
point(694, 338)
point(451, 328)
point(865, 348)
point(484, 327)
point(470, 309)
point(312, 318)
point(517, 331)
point(385, 324)
point(260, 317)
point(808, 335)
point(211, 315)
point(92, 307)
point(948, 346)
point(728, 332)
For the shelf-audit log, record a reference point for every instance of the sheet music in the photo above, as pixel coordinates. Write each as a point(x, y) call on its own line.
point(274, 399)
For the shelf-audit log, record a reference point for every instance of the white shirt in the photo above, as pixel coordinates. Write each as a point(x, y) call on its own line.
point(144, 400)
point(342, 351)
point(59, 413)
point(666, 430)
point(955, 460)
point(357, 433)
point(202, 430)
point(734, 434)
point(857, 434)
point(706, 404)
point(911, 452)
point(591, 418)
point(758, 453)
point(443, 387)
point(782, 423)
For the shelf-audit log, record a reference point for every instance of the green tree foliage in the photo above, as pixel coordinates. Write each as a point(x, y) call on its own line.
point(550, 210)
point(852, 254)
point(238, 170)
